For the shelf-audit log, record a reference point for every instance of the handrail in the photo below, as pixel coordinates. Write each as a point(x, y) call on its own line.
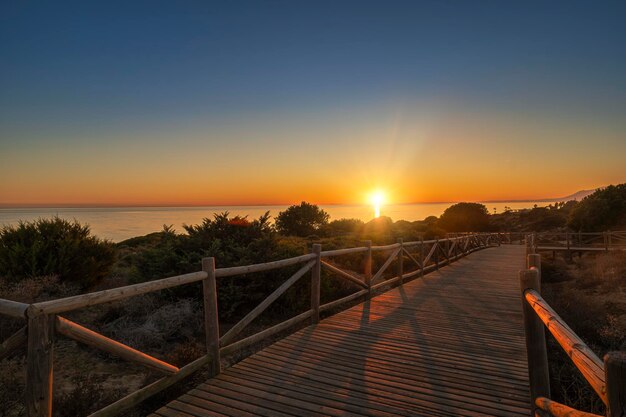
point(579, 241)
point(43, 318)
point(386, 247)
point(248, 269)
point(560, 410)
point(114, 294)
point(585, 360)
point(13, 308)
point(337, 252)
point(608, 378)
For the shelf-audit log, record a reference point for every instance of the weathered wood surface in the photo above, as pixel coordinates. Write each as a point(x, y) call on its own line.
point(81, 334)
point(581, 355)
point(560, 410)
point(450, 344)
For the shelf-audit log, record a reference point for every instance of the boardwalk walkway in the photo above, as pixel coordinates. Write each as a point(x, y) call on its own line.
point(449, 344)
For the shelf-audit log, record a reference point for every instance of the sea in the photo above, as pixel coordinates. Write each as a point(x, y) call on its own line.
point(121, 223)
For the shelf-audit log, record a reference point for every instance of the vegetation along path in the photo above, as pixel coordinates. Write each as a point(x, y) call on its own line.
point(449, 344)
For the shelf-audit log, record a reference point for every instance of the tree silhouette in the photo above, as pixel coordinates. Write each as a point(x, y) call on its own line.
point(301, 220)
point(603, 210)
point(465, 217)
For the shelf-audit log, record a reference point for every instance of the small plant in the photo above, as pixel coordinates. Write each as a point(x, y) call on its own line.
point(54, 247)
point(12, 386)
point(87, 396)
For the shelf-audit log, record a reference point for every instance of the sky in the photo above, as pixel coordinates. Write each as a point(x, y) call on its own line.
point(274, 102)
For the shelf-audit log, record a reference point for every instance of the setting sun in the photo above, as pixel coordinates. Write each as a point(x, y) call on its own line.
point(377, 199)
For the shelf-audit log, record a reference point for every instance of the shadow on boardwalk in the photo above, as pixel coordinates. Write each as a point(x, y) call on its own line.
point(449, 344)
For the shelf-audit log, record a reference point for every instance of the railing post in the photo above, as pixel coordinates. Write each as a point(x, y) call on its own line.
point(211, 318)
point(610, 238)
point(401, 260)
point(368, 268)
point(315, 284)
point(534, 261)
point(437, 254)
point(615, 377)
point(569, 253)
point(39, 365)
point(422, 256)
point(606, 241)
point(535, 339)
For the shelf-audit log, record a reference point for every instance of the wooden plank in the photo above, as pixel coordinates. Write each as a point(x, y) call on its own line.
point(615, 374)
point(148, 391)
point(345, 274)
point(39, 366)
point(13, 342)
point(114, 294)
point(535, 337)
point(211, 316)
point(316, 277)
point(560, 410)
point(383, 268)
point(255, 338)
point(237, 328)
point(336, 303)
point(339, 252)
point(248, 269)
point(13, 308)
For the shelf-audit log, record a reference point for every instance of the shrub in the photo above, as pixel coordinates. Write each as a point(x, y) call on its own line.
point(343, 227)
point(88, 395)
point(301, 220)
point(31, 290)
point(465, 217)
point(603, 210)
point(543, 218)
point(54, 247)
point(12, 386)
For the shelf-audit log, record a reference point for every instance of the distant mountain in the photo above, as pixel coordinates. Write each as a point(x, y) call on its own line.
point(579, 195)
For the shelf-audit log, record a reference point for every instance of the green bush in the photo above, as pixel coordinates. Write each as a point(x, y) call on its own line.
point(301, 220)
point(603, 210)
point(54, 247)
point(232, 241)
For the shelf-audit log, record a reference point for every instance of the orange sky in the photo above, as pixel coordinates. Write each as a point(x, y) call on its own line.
point(413, 155)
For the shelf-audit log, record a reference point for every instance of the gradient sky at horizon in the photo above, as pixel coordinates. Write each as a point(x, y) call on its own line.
point(281, 101)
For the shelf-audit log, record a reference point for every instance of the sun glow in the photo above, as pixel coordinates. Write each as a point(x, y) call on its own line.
point(377, 199)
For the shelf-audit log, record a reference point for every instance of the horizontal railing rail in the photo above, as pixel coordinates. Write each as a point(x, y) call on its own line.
point(44, 319)
point(579, 241)
point(607, 378)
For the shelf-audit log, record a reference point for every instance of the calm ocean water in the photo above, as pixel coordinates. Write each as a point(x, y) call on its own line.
point(119, 223)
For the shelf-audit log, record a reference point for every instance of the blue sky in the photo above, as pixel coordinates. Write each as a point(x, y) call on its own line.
point(82, 76)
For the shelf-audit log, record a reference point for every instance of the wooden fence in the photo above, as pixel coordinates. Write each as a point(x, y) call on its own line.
point(607, 377)
point(44, 321)
point(571, 242)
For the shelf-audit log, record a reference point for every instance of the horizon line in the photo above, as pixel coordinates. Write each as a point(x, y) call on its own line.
point(174, 205)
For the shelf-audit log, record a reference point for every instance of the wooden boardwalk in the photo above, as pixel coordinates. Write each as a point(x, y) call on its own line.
point(450, 344)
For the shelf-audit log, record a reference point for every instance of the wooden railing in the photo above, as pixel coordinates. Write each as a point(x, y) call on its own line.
point(607, 378)
point(44, 322)
point(579, 241)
